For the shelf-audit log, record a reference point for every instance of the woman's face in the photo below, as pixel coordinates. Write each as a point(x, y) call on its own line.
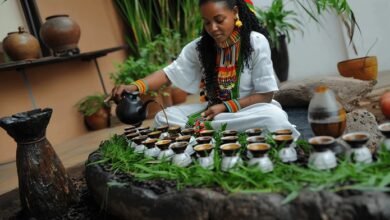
point(218, 19)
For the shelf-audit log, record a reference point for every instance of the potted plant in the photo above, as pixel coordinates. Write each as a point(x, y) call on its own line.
point(279, 23)
point(96, 112)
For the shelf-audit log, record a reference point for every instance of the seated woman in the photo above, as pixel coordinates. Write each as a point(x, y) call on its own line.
point(230, 64)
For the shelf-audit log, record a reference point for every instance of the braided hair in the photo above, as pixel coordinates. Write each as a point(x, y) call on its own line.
point(207, 48)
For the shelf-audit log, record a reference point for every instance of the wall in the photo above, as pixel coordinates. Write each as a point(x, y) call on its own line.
point(60, 86)
point(321, 47)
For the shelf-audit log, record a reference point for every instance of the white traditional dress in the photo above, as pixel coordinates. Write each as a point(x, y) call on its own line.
point(186, 73)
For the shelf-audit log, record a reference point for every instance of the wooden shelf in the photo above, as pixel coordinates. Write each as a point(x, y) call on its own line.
point(17, 65)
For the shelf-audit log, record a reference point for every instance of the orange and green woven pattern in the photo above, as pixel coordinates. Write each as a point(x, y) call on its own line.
point(232, 105)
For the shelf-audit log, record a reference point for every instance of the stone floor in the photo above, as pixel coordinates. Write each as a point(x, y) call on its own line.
point(75, 152)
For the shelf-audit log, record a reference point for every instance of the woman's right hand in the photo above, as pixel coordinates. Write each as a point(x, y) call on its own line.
point(116, 93)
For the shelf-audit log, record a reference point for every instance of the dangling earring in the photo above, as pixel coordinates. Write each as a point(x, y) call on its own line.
point(238, 22)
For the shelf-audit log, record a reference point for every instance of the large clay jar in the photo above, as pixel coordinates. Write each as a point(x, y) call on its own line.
point(326, 115)
point(21, 45)
point(61, 34)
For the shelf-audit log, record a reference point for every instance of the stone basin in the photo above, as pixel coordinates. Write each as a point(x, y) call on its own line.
point(126, 198)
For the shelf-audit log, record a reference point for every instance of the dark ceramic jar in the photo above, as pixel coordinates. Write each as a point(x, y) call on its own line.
point(61, 34)
point(21, 46)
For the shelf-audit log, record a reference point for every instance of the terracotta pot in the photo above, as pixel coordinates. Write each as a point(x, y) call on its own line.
point(364, 68)
point(178, 96)
point(101, 119)
point(61, 34)
point(21, 45)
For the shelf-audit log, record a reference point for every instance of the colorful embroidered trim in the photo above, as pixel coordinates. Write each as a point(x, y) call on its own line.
point(232, 105)
point(228, 67)
point(141, 85)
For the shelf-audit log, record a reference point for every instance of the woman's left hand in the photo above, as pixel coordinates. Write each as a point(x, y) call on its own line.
point(212, 111)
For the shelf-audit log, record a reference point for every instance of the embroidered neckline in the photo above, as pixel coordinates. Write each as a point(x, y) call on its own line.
point(233, 39)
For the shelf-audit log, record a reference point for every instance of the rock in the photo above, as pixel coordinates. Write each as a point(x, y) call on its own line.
point(363, 120)
point(299, 93)
point(135, 202)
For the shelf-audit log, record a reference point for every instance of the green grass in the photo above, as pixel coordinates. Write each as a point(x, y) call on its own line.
point(289, 179)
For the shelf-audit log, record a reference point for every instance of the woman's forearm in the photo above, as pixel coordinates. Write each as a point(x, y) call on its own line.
point(157, 79)
point(256, 98)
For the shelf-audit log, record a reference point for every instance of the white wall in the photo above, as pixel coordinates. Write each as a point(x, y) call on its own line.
point(321, 47)
point(11, 17)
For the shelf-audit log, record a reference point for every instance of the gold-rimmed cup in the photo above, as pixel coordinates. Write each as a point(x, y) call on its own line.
point(230, 149)
point(203, 150)
point(258, 149)
point(283, 140)
point(283, 132)
point(253, 131)
point(255, 139)
point(150, 143)
point(229, 133)
point(203, 139)
point(163, 144)
point(229, 139)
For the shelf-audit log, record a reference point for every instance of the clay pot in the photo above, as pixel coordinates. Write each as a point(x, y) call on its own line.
point(61, 34)
point(99, 120)
point(21, 46)
point(364, 68)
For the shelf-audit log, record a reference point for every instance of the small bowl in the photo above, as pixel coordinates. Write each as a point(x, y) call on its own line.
point(229, 133)
point(254, 131)
point(283, 132)
point(132, 135)
point(255, 139)
point(285, 140)
point(163, 144)
point(207, 133)
point(385, 129)
point(150, 143)
point(130, 131)
point(203, 139)
point(178, 147)
point(322, 143)
point(185, 138)
point(163, 128)
point(230, 149)
point(139, 139)
point(229, 139)
point(154, 134)
point(188, 131)
point(203, 150)
point(143, 128)
point(145, 132)
point(356, 139)
point(174, 130)
point(258, 149)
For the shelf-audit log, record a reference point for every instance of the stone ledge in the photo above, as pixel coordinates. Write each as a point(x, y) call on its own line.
point(133, 202)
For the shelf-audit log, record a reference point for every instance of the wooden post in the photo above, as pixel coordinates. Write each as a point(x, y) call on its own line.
point(44, 187)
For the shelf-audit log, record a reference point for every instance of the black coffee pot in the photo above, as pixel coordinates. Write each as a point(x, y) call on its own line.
point(130, 109)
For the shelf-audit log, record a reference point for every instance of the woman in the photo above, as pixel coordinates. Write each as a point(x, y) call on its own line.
point(231, 66)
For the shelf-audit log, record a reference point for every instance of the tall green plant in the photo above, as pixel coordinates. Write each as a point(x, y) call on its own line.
point(153, 56)
point(148, 18)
